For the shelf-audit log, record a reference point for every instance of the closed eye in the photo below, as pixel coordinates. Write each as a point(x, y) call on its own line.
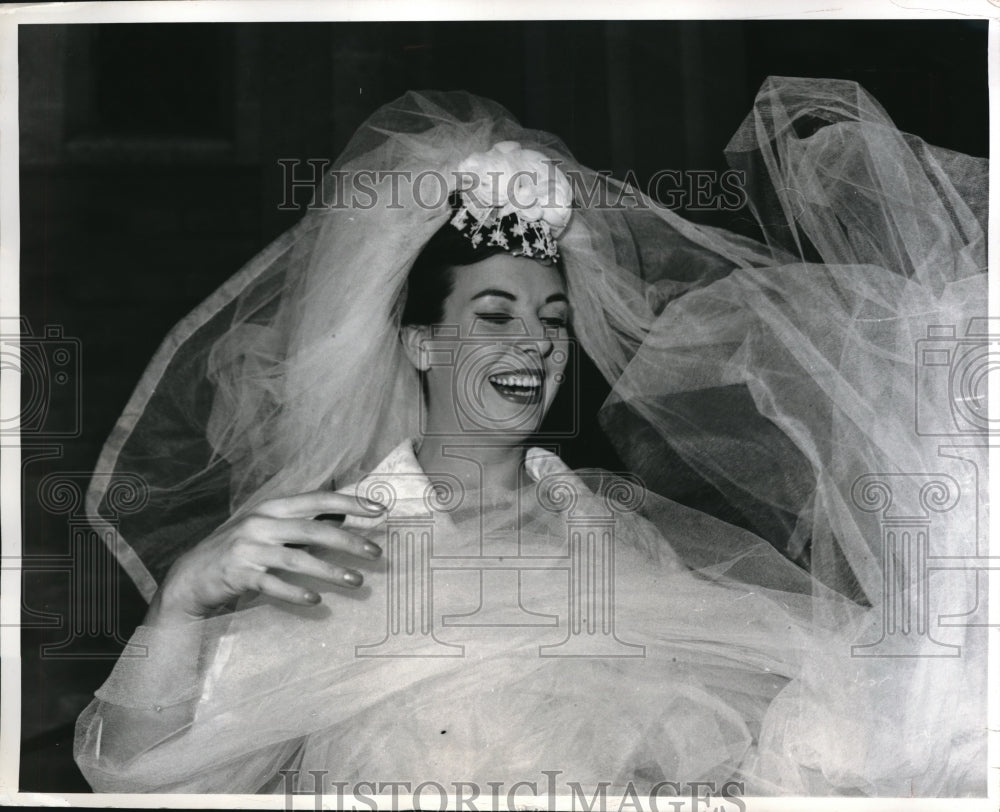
point(495, 318)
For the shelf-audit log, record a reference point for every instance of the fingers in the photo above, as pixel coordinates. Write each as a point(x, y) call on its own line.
point(306, 531)
point(274, 587)
point(308, 505)
point(299, 561)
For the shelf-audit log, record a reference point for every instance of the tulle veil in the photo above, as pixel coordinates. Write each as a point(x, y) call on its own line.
point(826, 380)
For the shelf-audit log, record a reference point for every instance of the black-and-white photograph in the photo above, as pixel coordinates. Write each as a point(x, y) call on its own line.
point(496, 414)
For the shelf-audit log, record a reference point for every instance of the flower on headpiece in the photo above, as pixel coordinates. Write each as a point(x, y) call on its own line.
point(497, 237)
point(508, 178)
point(513, 192)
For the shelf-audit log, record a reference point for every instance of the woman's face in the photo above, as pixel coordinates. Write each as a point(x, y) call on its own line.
point(497, 358)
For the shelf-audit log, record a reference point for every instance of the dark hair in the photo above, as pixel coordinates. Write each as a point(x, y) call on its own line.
point(431, 279)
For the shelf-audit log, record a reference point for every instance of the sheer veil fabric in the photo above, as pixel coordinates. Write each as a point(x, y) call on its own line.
point(788, 372)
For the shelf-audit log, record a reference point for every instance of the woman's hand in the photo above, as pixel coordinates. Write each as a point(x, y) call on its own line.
point(243, 556)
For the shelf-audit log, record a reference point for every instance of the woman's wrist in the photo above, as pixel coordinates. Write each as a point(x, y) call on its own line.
point(169, 608)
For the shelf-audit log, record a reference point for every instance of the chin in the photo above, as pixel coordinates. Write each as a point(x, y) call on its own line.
point(515, 415)
point(505, 408)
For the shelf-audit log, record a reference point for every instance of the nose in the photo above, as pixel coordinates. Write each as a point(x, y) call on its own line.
point(540, 342)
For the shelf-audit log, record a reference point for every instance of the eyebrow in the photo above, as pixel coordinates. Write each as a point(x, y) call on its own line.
point(503, 294)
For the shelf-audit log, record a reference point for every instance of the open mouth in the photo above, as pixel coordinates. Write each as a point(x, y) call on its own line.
point(519, 386)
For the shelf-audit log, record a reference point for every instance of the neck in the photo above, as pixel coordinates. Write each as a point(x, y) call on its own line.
point(497, 470)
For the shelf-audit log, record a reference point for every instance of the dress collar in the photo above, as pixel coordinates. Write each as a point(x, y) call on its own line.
point(410, 483)
point(403, 459)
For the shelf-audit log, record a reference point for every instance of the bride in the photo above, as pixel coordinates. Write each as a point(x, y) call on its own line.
point(470, 610)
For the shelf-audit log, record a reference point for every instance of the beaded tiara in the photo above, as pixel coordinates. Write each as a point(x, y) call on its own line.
point(513, 233)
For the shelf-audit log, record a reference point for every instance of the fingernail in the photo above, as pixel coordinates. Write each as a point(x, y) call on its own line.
point(372, 549)
point(311, 597)
point(371, 504)
point(353, 578)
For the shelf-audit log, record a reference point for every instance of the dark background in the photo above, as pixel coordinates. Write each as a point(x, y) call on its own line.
point(149, 174)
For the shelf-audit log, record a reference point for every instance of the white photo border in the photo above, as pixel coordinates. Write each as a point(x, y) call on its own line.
point(12, 16)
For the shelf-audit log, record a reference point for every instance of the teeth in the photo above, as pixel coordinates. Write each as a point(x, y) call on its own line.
point(523, 381)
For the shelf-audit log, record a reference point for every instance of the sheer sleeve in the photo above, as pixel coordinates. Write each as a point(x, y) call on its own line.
point(141, 732)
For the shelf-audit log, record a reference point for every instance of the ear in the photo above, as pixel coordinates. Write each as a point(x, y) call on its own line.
point(413, 338)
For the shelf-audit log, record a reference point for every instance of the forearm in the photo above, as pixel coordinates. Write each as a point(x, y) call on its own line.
point(150, 696)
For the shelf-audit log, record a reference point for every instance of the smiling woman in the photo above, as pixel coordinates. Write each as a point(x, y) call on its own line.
point(498, 318)
point(471, 610)
point(507, 319)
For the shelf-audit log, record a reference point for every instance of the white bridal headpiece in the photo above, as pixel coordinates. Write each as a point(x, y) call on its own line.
point(513, 198)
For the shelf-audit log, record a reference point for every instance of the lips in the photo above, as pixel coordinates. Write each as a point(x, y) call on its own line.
point(519, 385)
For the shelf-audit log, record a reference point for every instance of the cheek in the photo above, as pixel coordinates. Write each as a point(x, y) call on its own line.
point(558, 364)
point(560, 355)
point(439, 374)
